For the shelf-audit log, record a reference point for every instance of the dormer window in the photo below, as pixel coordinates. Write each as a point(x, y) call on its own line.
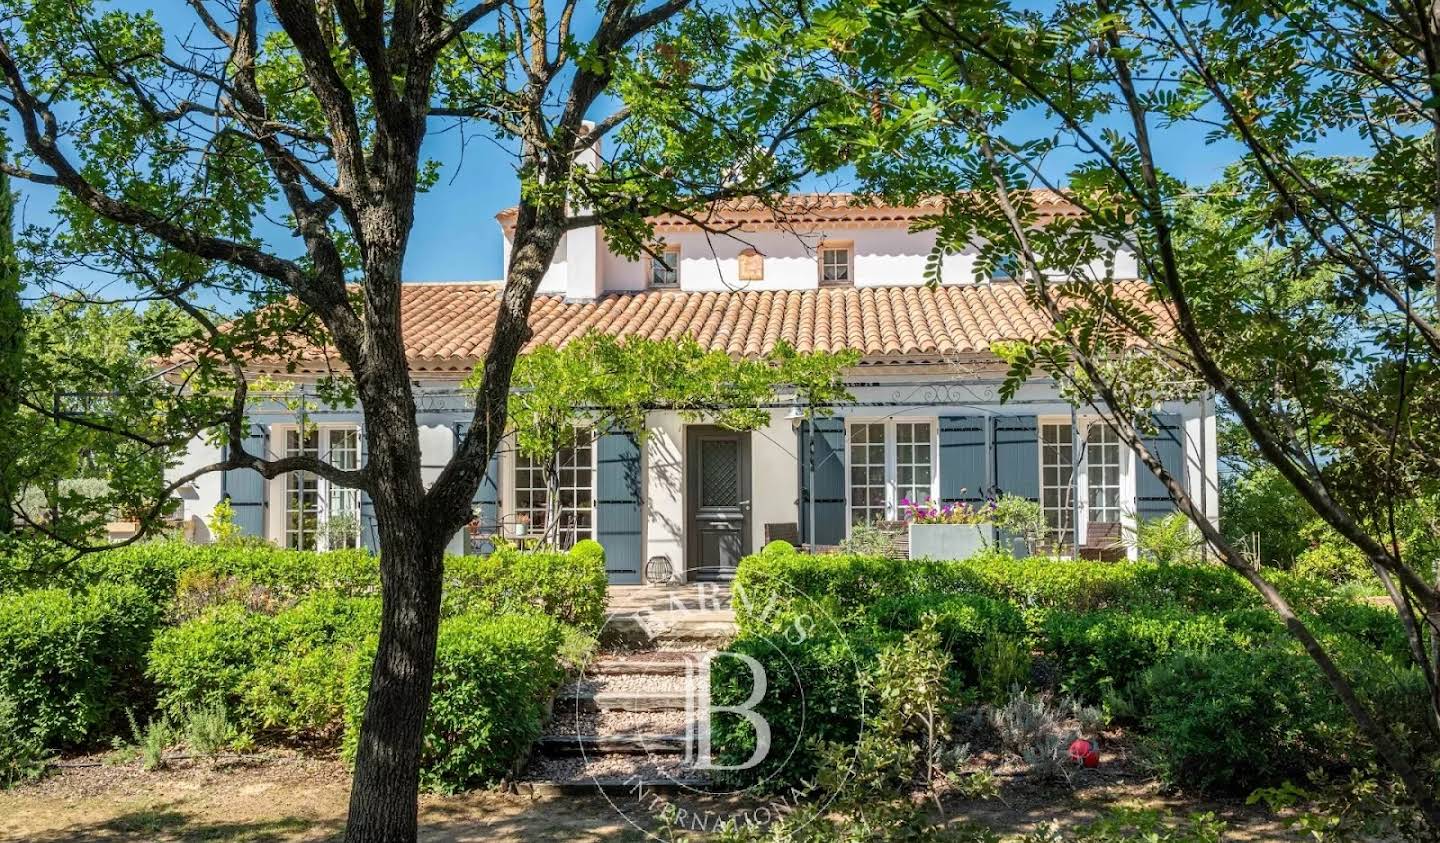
point(837, 263)
point(665, 268)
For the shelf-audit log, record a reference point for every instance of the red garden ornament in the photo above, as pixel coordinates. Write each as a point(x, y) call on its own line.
point(1083, 752)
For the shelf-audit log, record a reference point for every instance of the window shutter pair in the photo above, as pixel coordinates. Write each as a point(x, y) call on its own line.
point(1016, 455)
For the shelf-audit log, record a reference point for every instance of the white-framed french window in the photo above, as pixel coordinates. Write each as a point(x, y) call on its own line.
point(1103, 466)
point(316, 513)
point(662, 271)
point(836, 260)
point(889, 462)
point(1096, 476)
point(1057, 479)
point(574, 468)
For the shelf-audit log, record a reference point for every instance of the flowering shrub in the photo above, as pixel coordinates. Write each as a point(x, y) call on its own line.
point(931, 512)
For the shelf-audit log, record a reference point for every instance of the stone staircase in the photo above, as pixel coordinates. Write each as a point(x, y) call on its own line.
point(624, 723)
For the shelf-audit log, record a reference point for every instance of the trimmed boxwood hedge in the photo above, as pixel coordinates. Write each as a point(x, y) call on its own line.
point(493, 679)
point(71, 662)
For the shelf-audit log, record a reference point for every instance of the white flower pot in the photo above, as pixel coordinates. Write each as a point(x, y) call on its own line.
point(949, 541)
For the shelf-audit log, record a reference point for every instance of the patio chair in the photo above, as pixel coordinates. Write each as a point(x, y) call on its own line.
point(1104, 541)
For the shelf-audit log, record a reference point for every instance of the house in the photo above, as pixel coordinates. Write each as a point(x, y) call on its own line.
point(927, 420)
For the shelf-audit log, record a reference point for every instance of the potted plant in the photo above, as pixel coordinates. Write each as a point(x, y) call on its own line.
point(948, 531)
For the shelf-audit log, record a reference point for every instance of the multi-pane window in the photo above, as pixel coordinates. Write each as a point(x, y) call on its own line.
point(573, 470)
point(1057, 476)
point(665, 267)
point(914, 465)
point(302, 492)
point(319, 514)
point(835, 264)
point(1102, 460)
point(889, 462)
point(342, 504)
point(867, 473)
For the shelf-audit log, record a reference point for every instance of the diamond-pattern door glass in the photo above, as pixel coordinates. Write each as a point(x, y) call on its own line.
point(719, 473)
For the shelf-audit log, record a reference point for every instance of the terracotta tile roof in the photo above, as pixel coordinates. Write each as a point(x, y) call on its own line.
point(447, 326)
point(807, 208)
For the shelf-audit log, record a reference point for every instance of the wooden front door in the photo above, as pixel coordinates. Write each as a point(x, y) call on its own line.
point(718, 502)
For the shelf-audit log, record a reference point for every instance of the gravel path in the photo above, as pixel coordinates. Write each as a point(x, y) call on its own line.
point(650, 768)
point(617, 723)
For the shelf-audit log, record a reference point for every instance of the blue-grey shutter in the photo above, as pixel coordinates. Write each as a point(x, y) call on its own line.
point(1167, 443)
point(962, 459)
point(618, 487)
point(246, 488)
point(1017, 456)
point(369, 532)
point(487, 496)
point(829, 476)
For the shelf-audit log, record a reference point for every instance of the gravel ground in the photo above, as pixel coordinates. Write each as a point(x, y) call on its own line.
point(579, 769)
point(618, 723)
point(627, 683)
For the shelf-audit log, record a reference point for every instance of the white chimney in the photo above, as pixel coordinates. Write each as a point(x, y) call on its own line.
point(585, 247)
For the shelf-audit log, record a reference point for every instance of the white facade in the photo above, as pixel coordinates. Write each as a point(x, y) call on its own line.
point(893, 401)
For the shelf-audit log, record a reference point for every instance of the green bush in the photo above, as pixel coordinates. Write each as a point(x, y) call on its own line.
point(778, 581)
point(284, 672)
point(493, 678)
point(1238, 719)
point(813, 694)
point(72, 662)
point(570, 587)
point(206, 661)
point(1098, 651)
point(300, 689)
point(965, 623)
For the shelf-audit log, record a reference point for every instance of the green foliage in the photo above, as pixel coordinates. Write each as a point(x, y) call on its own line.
point(1330, 558)
point(1168, 540)
point(208, 729)
point(1135, 825)
point(965, 625)
point(493, 678)
point(206, 661)
point(1104, 650)
point(22, 753)
point(72, 662)
point(619, 382)
point(1021, 518)
point(1259, 506)
point(1233, 720)
point(813, 695)
point(569, 586)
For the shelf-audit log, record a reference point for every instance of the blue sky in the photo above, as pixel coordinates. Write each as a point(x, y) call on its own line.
point(456, 236)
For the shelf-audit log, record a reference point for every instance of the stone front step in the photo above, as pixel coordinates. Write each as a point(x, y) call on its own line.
point(642, 630)
point(626, 744)
point(645, 663)
point(575, 722)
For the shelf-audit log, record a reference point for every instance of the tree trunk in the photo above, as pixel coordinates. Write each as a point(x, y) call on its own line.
point(387, 765)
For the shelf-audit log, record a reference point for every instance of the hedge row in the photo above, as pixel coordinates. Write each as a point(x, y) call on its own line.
point(71, 663)
point(283, 641)
point(1223, 697)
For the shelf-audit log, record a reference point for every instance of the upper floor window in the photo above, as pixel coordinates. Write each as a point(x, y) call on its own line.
point(665, 268)
point(319, 514)
point(837, 263)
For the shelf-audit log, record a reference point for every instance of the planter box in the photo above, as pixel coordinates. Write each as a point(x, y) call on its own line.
point(949, 541)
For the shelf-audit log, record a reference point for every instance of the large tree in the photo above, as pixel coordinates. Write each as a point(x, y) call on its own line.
point(1301, 287)
point(271, 153)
